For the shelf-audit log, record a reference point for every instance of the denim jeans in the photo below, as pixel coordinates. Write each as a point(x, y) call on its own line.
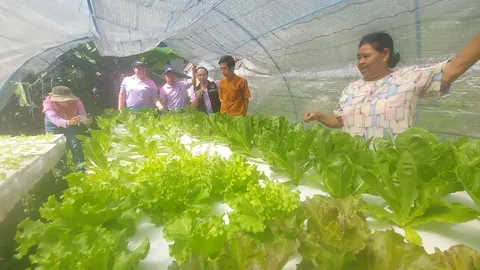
point(74, 144)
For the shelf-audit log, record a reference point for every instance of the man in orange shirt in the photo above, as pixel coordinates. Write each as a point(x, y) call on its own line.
point(233, 90)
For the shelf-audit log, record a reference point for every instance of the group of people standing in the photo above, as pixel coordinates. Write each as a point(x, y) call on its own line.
point(65, 113)
point(383, 102)
point(229, 95)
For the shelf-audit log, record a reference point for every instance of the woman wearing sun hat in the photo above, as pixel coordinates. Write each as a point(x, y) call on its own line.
point(64, 113)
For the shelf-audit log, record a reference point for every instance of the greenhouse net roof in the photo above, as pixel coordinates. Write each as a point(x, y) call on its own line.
point(297, 55)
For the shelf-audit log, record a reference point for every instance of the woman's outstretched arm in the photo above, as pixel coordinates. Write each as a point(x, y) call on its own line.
point(462, 62)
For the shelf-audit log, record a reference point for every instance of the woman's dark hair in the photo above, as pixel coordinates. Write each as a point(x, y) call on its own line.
point(381, 41)
point(196, 70)
point(227, 59)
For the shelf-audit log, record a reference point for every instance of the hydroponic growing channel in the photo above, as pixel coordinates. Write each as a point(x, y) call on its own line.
point(23, 162)
point(259, 193)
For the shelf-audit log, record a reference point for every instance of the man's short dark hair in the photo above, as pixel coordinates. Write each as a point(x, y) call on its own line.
point(227, 59)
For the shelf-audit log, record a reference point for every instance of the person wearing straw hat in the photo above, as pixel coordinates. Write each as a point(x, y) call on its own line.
point(64, 113)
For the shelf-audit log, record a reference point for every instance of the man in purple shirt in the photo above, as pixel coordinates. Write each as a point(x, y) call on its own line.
point(138, 91)
point(173, 95)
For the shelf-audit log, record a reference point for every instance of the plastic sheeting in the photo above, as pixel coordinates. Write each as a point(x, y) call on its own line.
point(34, 33)
point(300, 53)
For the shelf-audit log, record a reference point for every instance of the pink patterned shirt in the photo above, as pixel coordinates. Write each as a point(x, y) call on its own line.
point(375, 108)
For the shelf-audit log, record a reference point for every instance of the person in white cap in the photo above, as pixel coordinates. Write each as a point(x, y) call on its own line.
point(173, 94)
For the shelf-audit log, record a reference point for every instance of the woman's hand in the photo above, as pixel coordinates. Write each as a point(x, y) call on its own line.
point(199, 94)
point(74, 121)
point(194, 75)
point(311, 116)
point(89, 120)
point(327, 120)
